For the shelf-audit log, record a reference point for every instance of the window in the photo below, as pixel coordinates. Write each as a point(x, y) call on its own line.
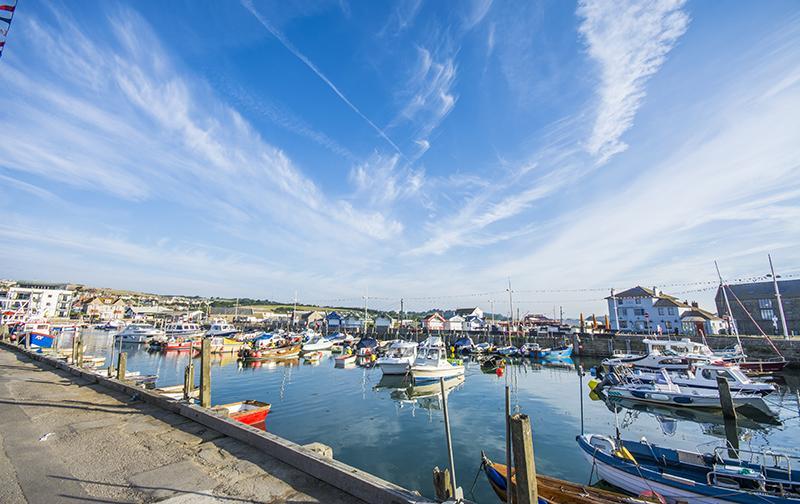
point(638, 312)
point(767, 314)
point(623, 324)
point(619, 301)
point(622, 312)
point(764, 303)
point(661, 311)
point(668, 324)
point(638, 300)
point(671, 311)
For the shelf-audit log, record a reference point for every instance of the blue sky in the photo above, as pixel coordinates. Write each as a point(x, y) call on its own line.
point(426, 150)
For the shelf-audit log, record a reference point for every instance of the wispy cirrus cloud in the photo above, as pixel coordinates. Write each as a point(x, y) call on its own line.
point(428, 97)
point(139, 129)
point(401, 18)
point(630, 41)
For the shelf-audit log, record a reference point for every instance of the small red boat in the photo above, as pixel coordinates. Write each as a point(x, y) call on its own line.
point(762, 366)
point(247, 412)
point(181, 344)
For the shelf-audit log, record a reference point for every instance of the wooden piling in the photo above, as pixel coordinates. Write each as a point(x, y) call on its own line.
point(729, 414)
point(441, 484)
point(728, 411)
point(122, 363)
point(524, 463)
point(27, 341)
point(79, 351)
point(188, 381)
point(74, 349)
point(205, 373)
point(507, 414)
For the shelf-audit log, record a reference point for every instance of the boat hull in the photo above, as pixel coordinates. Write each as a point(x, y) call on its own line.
point(394, 368)
point(427, 374)
point(41, 340)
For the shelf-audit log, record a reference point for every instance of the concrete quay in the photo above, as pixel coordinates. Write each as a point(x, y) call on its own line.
point(70, 436)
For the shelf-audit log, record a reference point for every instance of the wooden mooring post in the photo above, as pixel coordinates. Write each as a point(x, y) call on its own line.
point(524, 463)
point(79, 351)
point(122, 363)
point(188, 380)
point(729, 414)
point(441, 484)
point(205, 373)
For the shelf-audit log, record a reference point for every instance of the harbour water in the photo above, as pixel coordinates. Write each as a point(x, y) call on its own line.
point(396, 432)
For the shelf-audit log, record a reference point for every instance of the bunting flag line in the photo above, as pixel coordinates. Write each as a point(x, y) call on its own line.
point(6, 8)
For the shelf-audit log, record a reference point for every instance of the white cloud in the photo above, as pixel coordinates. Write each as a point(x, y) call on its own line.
point(476, 11)
point(248, 4)
point(428, 97)
point(140, 130)
point(401, 18)
point(630, 41)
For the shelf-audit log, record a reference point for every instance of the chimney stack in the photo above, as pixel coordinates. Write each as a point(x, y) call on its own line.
point(655, 291)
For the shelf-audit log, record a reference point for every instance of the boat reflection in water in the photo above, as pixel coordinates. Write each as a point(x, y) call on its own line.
point(270, 363)
point(711, 421)
point(428, 397)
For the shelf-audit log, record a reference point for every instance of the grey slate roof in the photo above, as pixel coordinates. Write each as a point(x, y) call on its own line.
point(764, 290)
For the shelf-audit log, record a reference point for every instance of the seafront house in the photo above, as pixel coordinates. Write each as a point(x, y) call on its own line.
point(434, 322)
point(455, 323)
point(104, 308)
point(50, 300)
point(384, 322)
point(758, 300)
point(333, 320)
point(699, 322)
point(646, 310)
point(473, 323)
point(353, 321)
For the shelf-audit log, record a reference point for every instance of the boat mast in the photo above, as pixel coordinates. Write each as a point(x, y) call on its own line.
point(616, 312)
point(778, 297)
point(366, 296)
point(731, 320)
point(510, 311)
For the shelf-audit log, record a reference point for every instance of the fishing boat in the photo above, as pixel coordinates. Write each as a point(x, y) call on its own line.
point(287, 352)
point(664, 391)
point(672, 355)
point(704, 376)
point(317, 343)
point(508, 351)
point(175, 392)
point(464, 345)
point(432, 363)
point(183, 330)
point(248, 412)
point(222, 344)
point(550, 490)
point(481, 348)
point(398, 359)
point(180, 344)
point(367, 346)
point(39, 333)
point(111, 325)
point(268, 340)
point(313, 356)
point(529, 349)
point(345, 360)
point(139, 332)
point(221, 328)
point(554, 353)
point(686, 476)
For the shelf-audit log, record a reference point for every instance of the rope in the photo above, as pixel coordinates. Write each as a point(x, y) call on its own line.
point(756, 323)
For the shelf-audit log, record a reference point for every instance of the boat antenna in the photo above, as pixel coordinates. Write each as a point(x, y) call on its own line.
point(616, 424)
point(580, 392)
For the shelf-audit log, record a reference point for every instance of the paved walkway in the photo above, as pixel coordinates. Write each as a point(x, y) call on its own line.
point(65, 440)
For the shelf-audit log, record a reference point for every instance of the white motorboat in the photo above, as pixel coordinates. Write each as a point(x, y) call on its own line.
point(221, 328)
point(317, 343)
point(139, 332)
point(183, 330)
point(664, 391)
point(704, 376)
point(672, 355)
point(399, 358)
point(432, 363)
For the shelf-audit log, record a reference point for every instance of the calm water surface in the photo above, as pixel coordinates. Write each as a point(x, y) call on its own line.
point(398, 434)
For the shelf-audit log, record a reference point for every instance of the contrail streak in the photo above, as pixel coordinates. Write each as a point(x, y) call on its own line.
point(248, 4)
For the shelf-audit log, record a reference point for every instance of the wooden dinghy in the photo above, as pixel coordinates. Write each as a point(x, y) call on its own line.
point(291, 352)
point(345, 360)
point(176, 392)
point(552, 490)
point(248, 412)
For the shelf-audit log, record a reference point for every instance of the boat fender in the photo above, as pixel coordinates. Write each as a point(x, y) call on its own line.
point(624, 454)
point(593, 384)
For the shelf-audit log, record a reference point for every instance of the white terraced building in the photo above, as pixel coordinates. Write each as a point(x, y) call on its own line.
point(50, 300)
point(646, 311)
